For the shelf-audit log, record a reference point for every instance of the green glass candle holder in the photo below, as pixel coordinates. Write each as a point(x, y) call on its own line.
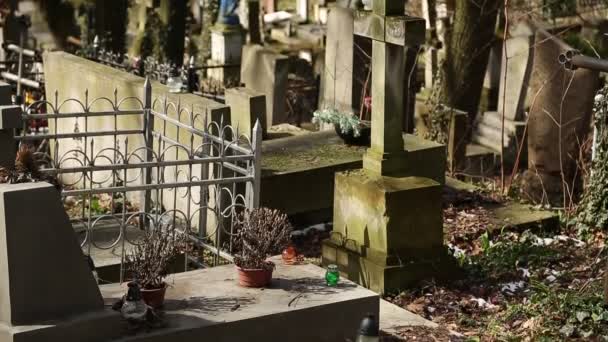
point(332, 276)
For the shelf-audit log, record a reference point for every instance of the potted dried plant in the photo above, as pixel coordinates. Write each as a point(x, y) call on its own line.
point(260, 234)
point(148, 262)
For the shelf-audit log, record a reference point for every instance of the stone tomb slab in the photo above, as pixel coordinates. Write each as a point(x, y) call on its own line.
point(306, 166)
point(298, 306)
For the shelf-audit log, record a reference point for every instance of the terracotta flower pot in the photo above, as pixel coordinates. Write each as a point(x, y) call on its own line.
point(254, 277)
point(154, 297)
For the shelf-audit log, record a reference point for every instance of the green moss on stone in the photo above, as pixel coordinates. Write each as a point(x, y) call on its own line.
point(320, 156)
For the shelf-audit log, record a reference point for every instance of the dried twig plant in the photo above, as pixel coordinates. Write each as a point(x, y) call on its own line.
point(26, 169)
point(261, 233)
point(148, 262)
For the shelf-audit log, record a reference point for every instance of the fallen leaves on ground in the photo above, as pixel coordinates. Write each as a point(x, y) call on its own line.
point(524, 286)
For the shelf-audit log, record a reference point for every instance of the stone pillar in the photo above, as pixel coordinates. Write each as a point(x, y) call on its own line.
point(246, 107)
point(226, 48)
point(302, 9)
point(266, 71)
point(409, 89)
point(457, 140)
point(337, 77)
point(388, 72)
point(430, 55)
point(226, 44)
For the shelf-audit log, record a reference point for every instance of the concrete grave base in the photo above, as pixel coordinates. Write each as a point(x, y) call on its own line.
point(208, 304)
point(383, 278)
point(387, 230)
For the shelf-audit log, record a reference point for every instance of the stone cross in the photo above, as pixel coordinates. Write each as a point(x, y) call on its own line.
point(393, 35)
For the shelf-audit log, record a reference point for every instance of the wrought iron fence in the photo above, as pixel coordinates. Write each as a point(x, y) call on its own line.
point(188, 74)
point(128, 166)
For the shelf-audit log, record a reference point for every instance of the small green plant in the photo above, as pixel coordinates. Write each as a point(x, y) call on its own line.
point(346, 121)
point(485, 242)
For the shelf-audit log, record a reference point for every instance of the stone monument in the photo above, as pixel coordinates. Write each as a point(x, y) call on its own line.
point(226, 44)
point(43, 273)
point(388, 230)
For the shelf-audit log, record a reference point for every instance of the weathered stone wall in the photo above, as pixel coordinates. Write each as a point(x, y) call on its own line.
point(70, 76)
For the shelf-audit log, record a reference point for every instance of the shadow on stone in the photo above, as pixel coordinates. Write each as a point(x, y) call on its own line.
point(310, 285)
point(209, 305)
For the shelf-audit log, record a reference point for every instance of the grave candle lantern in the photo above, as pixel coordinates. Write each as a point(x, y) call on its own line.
point(332, 276)
point(369, 331)
point(289, 255)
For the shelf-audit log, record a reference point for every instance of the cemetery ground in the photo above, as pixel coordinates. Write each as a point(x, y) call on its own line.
point(516, 285)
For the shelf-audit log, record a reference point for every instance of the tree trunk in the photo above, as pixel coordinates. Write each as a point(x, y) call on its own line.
point(111, 23)
point(60, 17)
point(468, 47)
point(173, 14)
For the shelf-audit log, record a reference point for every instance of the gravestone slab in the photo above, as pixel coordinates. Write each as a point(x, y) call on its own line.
point(226, 48)
point(10, 117)
point(266, 71)
point(210, 303)
point(518, 66)
point(246, 107)
point(43, 273)
point(337, 77)
point(548, 159)
point(6, 92)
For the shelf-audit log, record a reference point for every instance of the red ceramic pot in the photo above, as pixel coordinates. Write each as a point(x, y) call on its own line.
point(254, 277)
point(154, 297)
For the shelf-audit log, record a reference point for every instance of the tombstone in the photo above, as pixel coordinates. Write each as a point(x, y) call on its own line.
point(491, 81)
point(511, 97)
point(337, 77)
point(320, 14)
point(246, 107)
point(226, 44)
point(44, 275)
point(10, 117)
point(302, 9)
point(265, 71)
point(518, 68)
point(388, 229)
point(548, 84)
point(457, 140)
point(430, 55)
